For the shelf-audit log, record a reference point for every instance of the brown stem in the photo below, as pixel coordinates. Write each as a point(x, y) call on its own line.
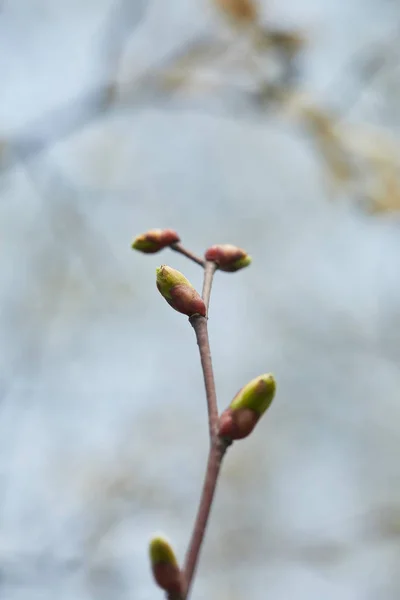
point(177, 247)
point(199, 325)
point(216, 453)
point(217, 445)
point(209, 270)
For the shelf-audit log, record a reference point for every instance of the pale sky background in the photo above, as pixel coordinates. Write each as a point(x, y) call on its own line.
point(103, 434)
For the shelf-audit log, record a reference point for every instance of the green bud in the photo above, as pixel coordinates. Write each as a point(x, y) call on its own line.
point(247, 407)
point(256, 395)
point(161, 551)
point(168, 278)
point(179, 292)
point(164, 565)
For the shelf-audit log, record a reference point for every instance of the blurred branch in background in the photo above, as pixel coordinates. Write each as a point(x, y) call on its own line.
point(60, 123)
point(258, 63)
point(69, 232)
point(124, 16)
point(154, 85)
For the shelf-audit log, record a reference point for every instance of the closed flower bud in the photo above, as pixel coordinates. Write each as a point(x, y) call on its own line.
point(164, 565)
point(155, 240)
point(227, 257)
point(247, 407)
point(179, 292)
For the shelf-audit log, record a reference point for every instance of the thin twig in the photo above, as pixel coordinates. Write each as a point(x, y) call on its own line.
point(199, 325)
point(177, 247)
point(217, 445)
point(217, 451)
point(209, 270)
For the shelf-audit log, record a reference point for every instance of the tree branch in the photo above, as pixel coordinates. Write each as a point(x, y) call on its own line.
point(199, 325)
point(217, 451)
point(209, 270)
point(217, 445)
point(177, 247)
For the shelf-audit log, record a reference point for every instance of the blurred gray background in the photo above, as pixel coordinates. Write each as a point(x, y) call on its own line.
point(103, 434)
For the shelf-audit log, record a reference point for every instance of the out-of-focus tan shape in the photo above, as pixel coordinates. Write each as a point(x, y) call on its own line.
point(287, 42)
point(239, 11)
point(381, 168)
point(182, 69)
point(386, 196)
point(328, 140)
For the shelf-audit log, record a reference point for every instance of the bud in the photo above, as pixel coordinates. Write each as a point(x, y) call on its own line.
point(164, 565)
point(247, 407)
point(155, 240)
point(227, 257)
point(179, 292)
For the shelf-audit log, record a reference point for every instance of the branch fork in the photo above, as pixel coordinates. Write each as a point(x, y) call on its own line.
point(236, 422)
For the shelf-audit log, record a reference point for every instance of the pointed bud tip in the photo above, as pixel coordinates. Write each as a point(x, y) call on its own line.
point(257, 394)
point(241, 263)
point(161, 551)
point(247, 407)
point(168, 278)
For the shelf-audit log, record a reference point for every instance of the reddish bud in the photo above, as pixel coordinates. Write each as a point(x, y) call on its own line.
point(187, 301)
point(179, 292)
point(168, 578)
point(155, 240)
point(247, 407)
point(227, 257)
point(235, 425)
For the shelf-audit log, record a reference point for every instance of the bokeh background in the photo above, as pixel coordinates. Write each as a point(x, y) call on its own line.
point(117, 116)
